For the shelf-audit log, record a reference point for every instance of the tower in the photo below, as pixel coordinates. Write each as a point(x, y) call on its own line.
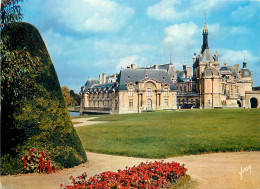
point(205, 36)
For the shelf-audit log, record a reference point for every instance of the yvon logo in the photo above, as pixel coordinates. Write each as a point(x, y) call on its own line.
point(243, 170)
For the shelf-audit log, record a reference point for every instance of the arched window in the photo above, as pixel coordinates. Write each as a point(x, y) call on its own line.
point(253, 102)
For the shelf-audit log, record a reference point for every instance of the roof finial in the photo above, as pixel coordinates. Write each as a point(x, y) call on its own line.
point(205, 30)
point(170, 55)
point(205, 16)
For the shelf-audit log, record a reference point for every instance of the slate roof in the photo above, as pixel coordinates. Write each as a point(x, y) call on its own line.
point(245, 72)
point(134, 75)
point(226, 70)
point(211, 70)
point(90, 84)
point(207, 55)
point(236, 75)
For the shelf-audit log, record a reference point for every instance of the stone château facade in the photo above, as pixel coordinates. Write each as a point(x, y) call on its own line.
point(162, 87)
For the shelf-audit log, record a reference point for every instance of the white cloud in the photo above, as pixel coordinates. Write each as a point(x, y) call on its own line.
point(243, 13)
point(237, 57)
point(120, 49)
point(238, 30)
point(176, 9)
point(181, 38)
point(165, 10)
point(133, 59)
point(89, 15)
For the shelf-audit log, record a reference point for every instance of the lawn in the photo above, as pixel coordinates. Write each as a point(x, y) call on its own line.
point(173, 133)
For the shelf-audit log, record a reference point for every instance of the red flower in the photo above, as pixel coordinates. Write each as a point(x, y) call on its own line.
point(146, 175)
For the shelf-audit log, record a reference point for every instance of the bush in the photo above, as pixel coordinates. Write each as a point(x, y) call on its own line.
point(145, 175)
point(11, 165)
point(38, 117)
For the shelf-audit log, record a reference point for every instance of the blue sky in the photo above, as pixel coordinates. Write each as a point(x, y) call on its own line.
point(89, 37)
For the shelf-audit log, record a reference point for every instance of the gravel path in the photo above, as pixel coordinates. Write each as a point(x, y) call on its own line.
point(216, 170)
point(86, 121)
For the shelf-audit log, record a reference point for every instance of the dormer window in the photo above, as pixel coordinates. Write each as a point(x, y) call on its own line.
point(130, 91)
point(166, 92)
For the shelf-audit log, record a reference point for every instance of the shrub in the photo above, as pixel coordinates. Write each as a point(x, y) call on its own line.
point(145, 175)
point(11, 165)
point(38, 162)
point(38, 117)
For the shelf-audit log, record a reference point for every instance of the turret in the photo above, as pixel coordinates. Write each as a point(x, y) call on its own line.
point(205, 36)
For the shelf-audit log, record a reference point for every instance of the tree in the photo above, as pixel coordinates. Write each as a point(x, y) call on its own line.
point(76, 97)
point(18, 71)
point(67, 97)
point(70, 97)
point(10, 12)
point(33, 114)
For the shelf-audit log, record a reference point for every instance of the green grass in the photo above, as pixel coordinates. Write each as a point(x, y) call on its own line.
point(173, 133)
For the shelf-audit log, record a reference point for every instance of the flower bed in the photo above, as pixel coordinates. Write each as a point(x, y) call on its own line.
point(145, 175)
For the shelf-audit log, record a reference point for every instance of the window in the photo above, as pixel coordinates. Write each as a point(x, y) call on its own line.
point(130, 102)
point(165, 102)
point(209, 101)
point(130, 91)
point(148, 91)
point(166, 92)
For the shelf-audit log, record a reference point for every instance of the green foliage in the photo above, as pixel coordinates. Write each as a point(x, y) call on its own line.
point(256, 88)
point(10, 12)
point(34, 113)
point(70, 97)
point(11, 165)
point(173, 133)
point(76, 97)
point(67, 97)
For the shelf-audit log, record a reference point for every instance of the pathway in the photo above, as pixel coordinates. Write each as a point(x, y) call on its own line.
point(216, 170)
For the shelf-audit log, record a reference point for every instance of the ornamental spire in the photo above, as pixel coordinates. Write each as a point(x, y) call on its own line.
point(205, 36)
point(171, 56)
point(205, 23)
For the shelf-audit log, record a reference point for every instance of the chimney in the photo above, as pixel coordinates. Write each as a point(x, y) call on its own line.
point(132, 66)
point(194, 58)
point(184, 67)
point(236, 67)
point(188, 68)
point(103, 78)
point(244, 64)
point(100, 79)
point(216, 56)
point(156, 67)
